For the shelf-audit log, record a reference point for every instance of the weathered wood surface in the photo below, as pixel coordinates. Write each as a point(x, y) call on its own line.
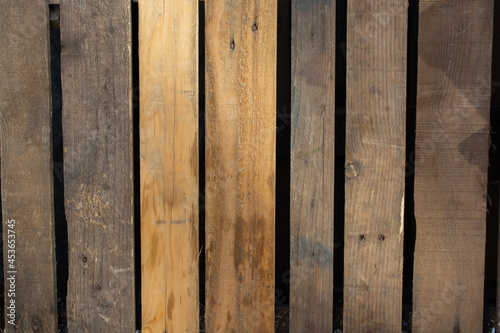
point(98, 170)
point(452, 142)
point(312, 165)
point(375, 165)
point(240, 164)
point(27, 176)
point(168, 53)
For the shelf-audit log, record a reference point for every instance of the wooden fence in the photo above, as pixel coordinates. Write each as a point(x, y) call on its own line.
point(240, 84)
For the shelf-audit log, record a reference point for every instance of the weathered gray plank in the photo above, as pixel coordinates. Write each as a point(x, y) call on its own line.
point(312, 165)
point(27, 177)
point(451, 162)
point(97, 127)
point(375, 164)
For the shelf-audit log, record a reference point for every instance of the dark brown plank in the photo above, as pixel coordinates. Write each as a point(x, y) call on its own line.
point(375, 165)
point(452, 142)
point(240, 164)
point(97, 127)
point(312, 165)
point(27, 176)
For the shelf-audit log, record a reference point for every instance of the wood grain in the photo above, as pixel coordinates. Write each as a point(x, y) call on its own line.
point(98, 170)
point(240, 164)
point(312, 166)
point(452, 142)
point(375, 165)
point(27, 173)
point(168, 53)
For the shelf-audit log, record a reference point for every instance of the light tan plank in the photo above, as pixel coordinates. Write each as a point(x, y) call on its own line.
point(168, 53)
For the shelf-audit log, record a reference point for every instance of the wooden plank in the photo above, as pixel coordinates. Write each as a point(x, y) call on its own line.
point(240, 164)
point(375, 165)
point(98, 170)
point(168, 53)
point(452, 141)
point(312, 165)
point(27, 176)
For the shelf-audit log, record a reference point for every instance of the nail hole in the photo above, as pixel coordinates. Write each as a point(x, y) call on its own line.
point(381, 238)
point(255, 27)
point(232, 45)
point(361, 237)
point(84, 259)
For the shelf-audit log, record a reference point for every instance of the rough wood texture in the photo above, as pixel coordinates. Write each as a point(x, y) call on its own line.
point(452, 142)
point(312, 165)
point(240, 164)
point(27, 176)
point(98, 171)
point(375, 165)
point(168, 50)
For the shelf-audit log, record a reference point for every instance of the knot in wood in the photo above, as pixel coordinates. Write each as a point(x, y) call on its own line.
point(351, 170)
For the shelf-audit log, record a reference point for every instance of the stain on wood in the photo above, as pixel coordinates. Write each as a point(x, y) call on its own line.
point(168, 53)
point(240, 164)
point(27, 173)
point(312, 166)
point(375, 165)
point(98, 164)
point(452, 142)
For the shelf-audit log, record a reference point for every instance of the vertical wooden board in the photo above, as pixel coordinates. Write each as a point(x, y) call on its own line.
point(168, 53)
point(452, 141)
point(98, 170)
point(27, 178)
point(312, 165)
point(375, 164)
point(240, 164)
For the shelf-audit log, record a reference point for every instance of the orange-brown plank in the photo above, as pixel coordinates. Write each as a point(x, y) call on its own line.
point(27, 173)
point(312, 166)
point(375, 164)
point(452, 141)
point(98, 168)
point(240, 164)
point(168, 69)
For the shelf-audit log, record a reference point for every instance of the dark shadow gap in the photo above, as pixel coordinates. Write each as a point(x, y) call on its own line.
point(282, 187)
point(201, 133)
point(61, 225)
point(491, 301)
point(340, 132)
point(409, 217)
point(136, 167)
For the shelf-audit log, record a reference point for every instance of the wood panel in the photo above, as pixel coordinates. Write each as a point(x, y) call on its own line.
point(98, 170)
point(312, 166)
point(240, 164)
point(27, 173)
point(168, 53)
point(452, 141)
point(375, 165)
